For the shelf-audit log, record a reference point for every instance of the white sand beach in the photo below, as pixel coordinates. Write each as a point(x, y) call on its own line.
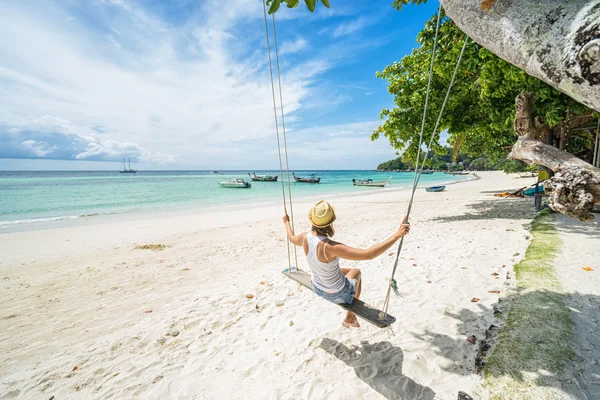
point(86, 314)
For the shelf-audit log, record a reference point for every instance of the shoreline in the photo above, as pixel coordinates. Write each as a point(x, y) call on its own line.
point(210, 315)
point(8, 227)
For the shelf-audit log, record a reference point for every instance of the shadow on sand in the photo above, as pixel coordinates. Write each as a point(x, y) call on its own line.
point(494, 208)
point(571, 225)
point(379, 365)
point(576, 378)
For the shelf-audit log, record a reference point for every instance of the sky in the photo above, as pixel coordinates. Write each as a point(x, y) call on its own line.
point(184, 84)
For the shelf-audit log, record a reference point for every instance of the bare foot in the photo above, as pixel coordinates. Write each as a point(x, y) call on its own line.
point(347, 322)
point(351, 321)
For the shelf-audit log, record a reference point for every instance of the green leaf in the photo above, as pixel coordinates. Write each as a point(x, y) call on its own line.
point(293, 3)
point(311, 4)
point(274, 6)
point(326, 3)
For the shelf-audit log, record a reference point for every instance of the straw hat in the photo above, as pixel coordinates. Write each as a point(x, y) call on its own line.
point(322, 214)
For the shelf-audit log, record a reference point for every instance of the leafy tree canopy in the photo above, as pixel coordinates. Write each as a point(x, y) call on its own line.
point(479, 115)
point(480, 111)
point(311, 4)
point(446, 160)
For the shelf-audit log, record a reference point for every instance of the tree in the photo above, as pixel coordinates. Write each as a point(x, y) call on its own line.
point(442, 160)
point(535, 39)
point(478, 164)
point(559, 43)
point(555, 41)
point(480, 113)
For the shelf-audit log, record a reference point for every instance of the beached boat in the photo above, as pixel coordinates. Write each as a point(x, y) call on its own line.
point(312, 178)
point(126, 170)
point(532, 191)
point(457, 172)
point(370, 182)
point(235, 183)
point(435, 189)
point(527, 175)
point(262, 178)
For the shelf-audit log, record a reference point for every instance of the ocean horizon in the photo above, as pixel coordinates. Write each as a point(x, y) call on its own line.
point(30, 198)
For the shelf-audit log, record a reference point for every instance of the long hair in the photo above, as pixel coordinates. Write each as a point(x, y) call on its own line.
point(325, 231)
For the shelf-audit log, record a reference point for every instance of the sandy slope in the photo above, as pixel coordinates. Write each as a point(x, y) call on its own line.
point(581, 249)
point(86, 315)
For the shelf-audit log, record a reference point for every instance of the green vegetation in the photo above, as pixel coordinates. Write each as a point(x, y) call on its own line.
point(311, 4)
point(444, 160)
point(480, 112)
point(536, 341)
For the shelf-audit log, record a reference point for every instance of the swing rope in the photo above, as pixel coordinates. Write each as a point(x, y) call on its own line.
point(392, 283)
point(419, 170)
point(437, 123)
point(435, 39)
point(287, 166)
point(276, 126)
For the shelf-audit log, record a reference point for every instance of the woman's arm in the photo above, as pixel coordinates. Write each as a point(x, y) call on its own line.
point(295, 239)
point(350, 253)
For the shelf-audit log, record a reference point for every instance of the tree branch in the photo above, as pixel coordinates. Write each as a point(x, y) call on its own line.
point(555, 41)
point(575, 187)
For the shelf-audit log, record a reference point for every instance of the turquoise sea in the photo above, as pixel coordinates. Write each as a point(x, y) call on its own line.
point(36, 197)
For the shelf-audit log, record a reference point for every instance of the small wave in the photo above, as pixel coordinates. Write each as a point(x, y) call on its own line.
point(48, 219)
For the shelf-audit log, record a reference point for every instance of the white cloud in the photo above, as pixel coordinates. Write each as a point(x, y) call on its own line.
point(322, 147)
point(109, 148)
point(347, 28)
point(49, 144)
point(297, 46)
point(40, 149)
point(135, 79)
point(105, 79)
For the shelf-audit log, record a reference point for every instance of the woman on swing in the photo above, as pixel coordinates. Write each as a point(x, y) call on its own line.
point(338, 285)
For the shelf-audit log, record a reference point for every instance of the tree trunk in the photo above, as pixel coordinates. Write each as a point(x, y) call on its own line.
point(564, 131)
point(575, 187)
point(549, 140)
point(596, 159)
point(553, 40)
point(563, 137)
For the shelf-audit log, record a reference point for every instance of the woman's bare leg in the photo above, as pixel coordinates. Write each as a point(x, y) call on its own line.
point(353, 273)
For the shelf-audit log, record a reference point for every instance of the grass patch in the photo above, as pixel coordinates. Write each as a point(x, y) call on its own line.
point(536, 342)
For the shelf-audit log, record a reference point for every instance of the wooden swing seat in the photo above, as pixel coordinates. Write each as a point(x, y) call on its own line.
point(359, 307)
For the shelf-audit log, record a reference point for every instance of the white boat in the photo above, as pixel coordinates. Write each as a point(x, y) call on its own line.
point(370, 182)
point(235, 183)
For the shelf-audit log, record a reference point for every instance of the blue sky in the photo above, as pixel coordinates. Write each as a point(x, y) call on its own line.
point(184, 84)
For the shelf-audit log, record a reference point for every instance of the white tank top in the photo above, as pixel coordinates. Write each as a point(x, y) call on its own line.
point(325, 276)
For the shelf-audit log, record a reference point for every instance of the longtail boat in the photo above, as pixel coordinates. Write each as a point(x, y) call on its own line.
point(262, 178)
point(312, 178)
point(370, 182)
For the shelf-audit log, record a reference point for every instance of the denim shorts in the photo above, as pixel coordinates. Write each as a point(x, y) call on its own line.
point(344, 296)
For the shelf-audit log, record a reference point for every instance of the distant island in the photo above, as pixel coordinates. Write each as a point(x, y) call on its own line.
point(444, 161)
